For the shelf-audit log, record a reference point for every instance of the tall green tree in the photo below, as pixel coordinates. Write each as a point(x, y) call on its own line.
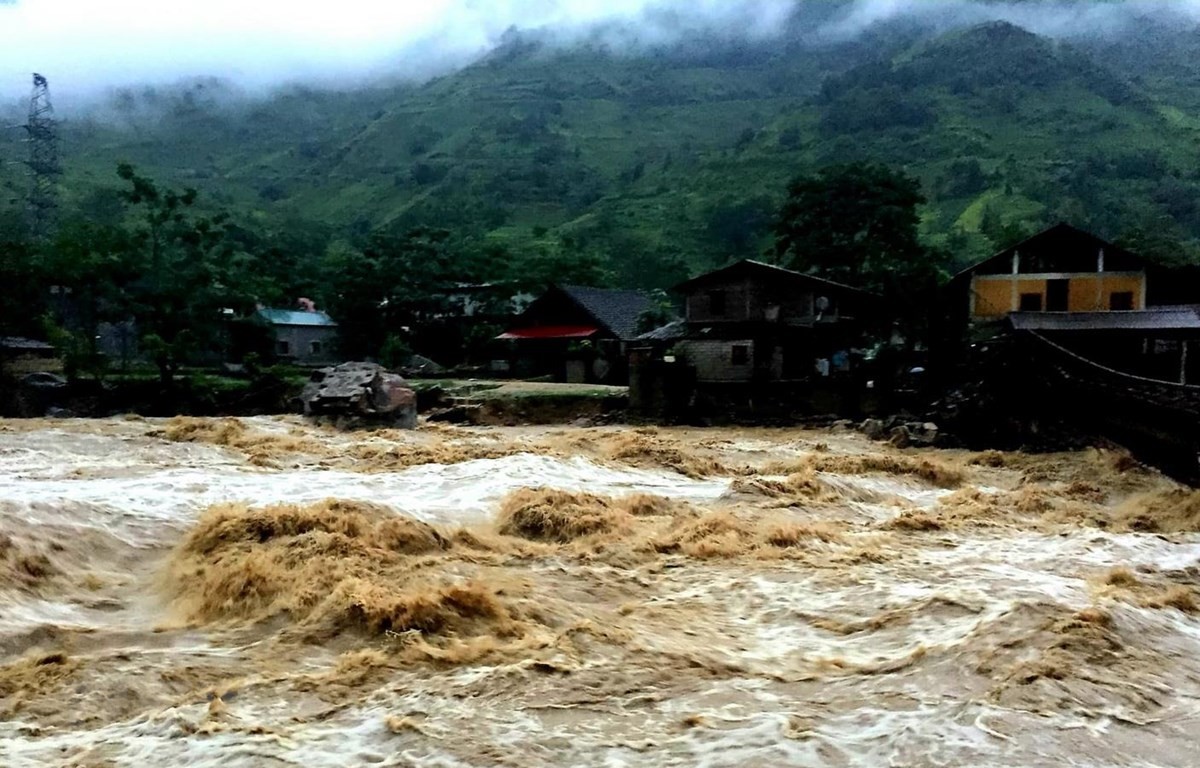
point(397, 285)
point(858, 224)
point(190, 279)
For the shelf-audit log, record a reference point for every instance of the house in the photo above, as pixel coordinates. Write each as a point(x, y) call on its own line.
point(305, 336)
point(576, 334)
point(21, 355)
point(1062, 269)
point(755, 322)
point(1088, 296)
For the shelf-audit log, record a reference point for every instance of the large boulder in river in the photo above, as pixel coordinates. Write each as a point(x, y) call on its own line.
point(360, 392)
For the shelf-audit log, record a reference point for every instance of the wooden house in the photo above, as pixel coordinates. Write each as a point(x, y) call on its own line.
point(576, 334)
point(753, 322)
point(1090, 296)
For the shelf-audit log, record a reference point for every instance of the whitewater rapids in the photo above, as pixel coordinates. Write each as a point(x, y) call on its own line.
point(261, 592)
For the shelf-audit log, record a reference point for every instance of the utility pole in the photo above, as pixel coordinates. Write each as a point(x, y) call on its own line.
point(44, 166)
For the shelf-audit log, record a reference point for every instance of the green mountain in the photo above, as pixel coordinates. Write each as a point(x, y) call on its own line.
point(672, 160)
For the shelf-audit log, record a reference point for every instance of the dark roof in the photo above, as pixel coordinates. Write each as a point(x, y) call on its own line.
point(672, 331)
point(1153, 319)
point(1059, 237)
point(768, 271)
point(19, 344)
point(296, 317)
point(616, 310)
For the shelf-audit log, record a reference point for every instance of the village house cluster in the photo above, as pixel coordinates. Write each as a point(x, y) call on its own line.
point(753, 336)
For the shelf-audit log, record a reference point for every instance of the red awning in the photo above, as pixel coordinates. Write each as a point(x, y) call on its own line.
point(550, 332)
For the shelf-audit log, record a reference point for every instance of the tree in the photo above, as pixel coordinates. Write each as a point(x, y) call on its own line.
point(188, 274)
point(738, 226)
point(397, 285)
point(858, 224)
point(21, 291)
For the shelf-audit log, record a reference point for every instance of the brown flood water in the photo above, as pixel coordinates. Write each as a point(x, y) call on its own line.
point(260, 592)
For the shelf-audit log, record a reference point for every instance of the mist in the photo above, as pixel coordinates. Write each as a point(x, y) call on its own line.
point(1053, 18)
point(88, 49)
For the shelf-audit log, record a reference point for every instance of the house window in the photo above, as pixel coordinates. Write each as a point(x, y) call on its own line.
point(739, 354)
point(716, 303)
point(1120, 301)
point(1031, 302)
point(314, 348)
point(283, 348)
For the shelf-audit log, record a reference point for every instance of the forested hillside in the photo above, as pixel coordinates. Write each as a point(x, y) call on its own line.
point(637, 169)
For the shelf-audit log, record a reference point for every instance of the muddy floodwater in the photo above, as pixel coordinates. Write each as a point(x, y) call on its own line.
point(261, 592)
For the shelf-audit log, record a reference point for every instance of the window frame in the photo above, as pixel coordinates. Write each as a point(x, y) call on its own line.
point(1127, 299)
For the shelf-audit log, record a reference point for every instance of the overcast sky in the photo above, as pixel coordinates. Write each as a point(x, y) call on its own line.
point(86, 46)
point(83, 44)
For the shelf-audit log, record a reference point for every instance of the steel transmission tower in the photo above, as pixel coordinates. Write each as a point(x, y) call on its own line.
point(44, 167)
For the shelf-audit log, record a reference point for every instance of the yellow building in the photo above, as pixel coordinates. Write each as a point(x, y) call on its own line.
point(1062, 269)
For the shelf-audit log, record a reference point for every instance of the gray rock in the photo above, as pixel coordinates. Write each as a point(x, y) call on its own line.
point(360, 391)
point(900, 437)
point(922, 433)
point(873, 429)
point(43, 380)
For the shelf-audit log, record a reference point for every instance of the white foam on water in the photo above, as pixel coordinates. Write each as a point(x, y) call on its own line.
point(146, 494)
point(135, 509)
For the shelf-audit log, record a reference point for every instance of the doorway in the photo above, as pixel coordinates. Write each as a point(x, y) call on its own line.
point(1058, 294)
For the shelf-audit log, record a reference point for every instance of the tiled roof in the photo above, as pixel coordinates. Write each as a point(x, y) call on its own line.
point(618, 311)
point(293, 317)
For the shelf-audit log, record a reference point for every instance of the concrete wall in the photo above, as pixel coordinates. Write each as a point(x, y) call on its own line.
point(713, 359)
point(994, 296)
point(296, 342)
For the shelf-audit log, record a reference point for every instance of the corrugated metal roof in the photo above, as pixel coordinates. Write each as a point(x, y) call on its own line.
point(1153, 319)
point(670, 332)
point(293, 317)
